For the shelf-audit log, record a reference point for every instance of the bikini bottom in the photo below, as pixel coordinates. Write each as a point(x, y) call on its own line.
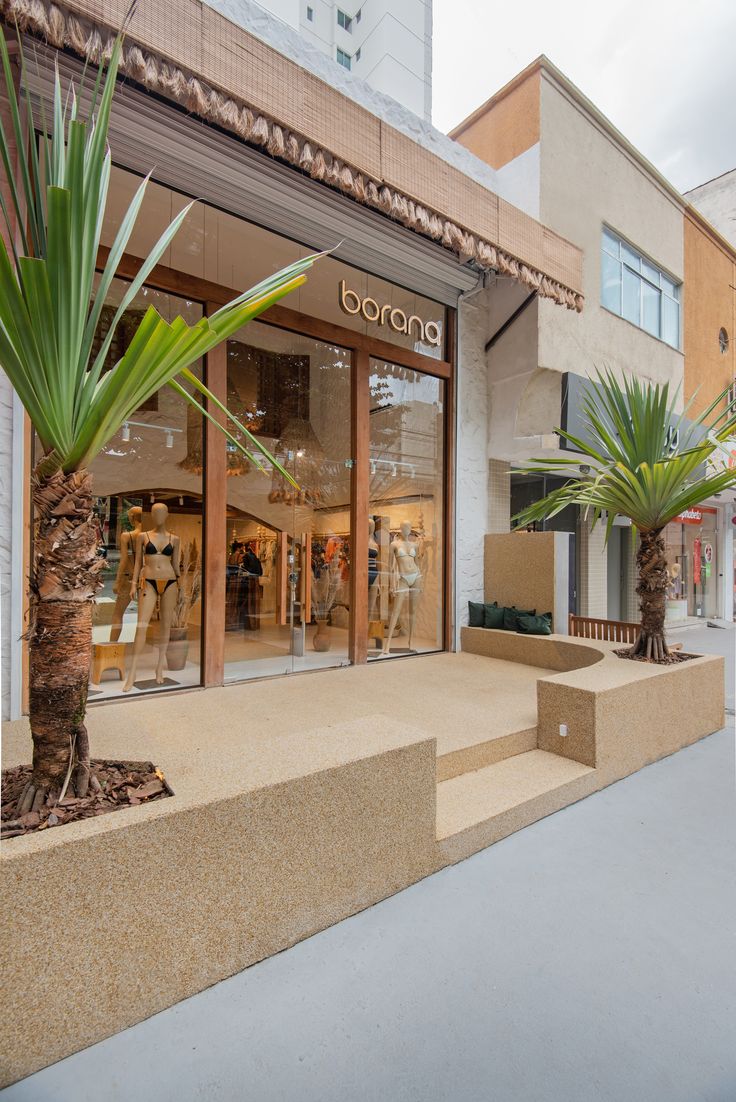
point(409, 578)
point(160, 585)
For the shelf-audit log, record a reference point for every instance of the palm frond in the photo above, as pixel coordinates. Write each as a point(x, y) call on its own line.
point(51, 297)
point(636, 470)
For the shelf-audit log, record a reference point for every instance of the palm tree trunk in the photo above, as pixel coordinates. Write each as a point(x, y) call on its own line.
point(651, 564)
point(65, 576)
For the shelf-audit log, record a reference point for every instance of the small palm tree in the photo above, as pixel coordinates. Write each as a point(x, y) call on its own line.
point(49, 314)
point(646, 464)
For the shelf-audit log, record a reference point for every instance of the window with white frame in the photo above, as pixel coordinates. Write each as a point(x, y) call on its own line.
point(344, 20)
point(636, 289)
point(343, 59)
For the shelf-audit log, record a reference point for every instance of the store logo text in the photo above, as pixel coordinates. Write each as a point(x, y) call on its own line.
point(428, 332)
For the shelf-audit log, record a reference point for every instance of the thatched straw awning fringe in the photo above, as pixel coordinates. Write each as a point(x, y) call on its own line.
point(63, 29)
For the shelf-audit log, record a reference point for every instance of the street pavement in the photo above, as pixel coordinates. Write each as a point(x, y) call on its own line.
point(588, 958)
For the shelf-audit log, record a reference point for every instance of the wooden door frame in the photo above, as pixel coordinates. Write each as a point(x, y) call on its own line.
point(361, 348)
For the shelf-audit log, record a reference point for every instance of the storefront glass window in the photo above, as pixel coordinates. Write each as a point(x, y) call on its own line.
point(405, 525)
point(692, 556)
point(148, 502)
point(288, 565)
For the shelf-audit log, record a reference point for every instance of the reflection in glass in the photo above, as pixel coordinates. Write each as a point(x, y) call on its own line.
point(405, 526)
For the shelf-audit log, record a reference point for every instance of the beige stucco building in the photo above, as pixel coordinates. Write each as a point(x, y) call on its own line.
point(651, 297)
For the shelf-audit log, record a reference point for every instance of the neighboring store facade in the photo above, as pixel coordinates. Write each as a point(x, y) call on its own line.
point(653, 286)
point(353, 382)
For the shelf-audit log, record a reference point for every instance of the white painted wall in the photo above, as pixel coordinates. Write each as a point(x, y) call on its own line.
point(520, 180)
point(471, 471)
point(716, 199)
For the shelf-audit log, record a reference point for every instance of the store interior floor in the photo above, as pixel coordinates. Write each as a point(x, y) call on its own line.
point(249, 655)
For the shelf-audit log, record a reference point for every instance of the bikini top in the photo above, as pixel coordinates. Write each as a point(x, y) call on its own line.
point(372, 552)
point(151, 548)
point(401, 552)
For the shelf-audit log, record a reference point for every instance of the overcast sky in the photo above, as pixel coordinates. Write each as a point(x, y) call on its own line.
point(663, 71)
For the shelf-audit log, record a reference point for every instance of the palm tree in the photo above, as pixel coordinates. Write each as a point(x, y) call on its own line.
point(645, 462)
point(50, 304)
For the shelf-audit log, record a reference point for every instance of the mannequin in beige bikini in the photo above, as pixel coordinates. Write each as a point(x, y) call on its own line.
point(121, 585)
point(156, 580)
point(406, 581)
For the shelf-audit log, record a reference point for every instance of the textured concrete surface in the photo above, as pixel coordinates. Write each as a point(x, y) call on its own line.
point(530, 587)
point(242, 734)
point(586, 959)
point(278, 829)
point(146, 911)
point(707, 640)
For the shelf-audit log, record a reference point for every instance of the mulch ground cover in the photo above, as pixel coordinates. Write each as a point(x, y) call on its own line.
point(113, 785)
point(669, 660)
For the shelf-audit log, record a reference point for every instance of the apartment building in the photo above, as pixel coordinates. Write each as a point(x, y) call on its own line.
point(659, 289)
point(386, 43)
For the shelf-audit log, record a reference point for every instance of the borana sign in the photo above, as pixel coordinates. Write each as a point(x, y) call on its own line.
point(428, 332)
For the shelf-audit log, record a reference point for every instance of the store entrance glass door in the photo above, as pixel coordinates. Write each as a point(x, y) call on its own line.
point(288, 549)
point(405, 525)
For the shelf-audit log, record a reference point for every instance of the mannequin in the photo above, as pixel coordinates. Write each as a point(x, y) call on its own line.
point(673, 587)
point(373, 571)
point(157, 580)
point(121, 585)
point(406, 582)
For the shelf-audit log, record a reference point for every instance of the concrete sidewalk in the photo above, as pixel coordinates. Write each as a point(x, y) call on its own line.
point(588, 958)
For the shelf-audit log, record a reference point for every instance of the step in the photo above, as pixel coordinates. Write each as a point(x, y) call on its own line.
point(480, 751)
point(476, 809)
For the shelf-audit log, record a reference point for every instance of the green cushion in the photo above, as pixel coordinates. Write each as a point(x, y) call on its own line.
point(476, 616)
point(511, 616)
point(493, 616)
point(535, 625)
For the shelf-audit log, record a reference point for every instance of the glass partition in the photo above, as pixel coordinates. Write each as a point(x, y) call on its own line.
point(148, 487)
point(288, 548)
point(406, 512)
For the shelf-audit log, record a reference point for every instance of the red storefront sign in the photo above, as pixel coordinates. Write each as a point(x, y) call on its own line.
point(693, 515)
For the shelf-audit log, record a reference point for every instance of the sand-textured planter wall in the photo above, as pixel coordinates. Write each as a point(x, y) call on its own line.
point(121, 916)
point(620, 715)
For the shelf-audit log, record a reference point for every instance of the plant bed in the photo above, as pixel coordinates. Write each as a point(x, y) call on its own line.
point(670, 659)
point(113, 785)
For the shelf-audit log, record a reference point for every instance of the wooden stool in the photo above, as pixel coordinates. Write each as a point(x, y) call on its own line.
point(376, 630)
point(107, 656)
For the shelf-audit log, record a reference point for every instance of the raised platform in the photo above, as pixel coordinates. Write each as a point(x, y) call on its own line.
point(301, 800)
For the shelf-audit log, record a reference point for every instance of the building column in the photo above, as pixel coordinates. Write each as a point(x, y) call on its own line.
point(499, 496)
point(593, 570)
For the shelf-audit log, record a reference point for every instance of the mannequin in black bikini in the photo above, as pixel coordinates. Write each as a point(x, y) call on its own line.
point(155, 580)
